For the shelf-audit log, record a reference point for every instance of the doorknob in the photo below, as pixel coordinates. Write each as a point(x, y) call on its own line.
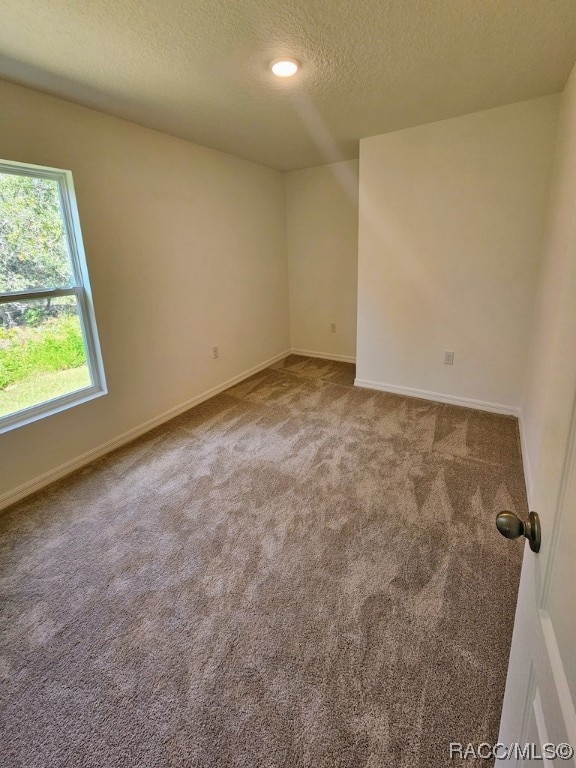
point(511, 527)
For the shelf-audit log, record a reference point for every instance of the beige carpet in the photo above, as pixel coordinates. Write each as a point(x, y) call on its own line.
point(295, 573)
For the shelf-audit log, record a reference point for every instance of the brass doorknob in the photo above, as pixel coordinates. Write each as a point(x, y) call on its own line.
point(510, 526)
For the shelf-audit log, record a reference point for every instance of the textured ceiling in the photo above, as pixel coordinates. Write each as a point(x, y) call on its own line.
point(198, 69)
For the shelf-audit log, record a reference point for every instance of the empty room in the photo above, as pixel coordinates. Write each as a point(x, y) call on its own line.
point(287, 383)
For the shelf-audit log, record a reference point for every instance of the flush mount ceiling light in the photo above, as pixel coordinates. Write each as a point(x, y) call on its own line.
point(284, 67)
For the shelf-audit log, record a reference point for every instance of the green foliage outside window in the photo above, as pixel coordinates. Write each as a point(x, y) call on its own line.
point(33, 250)
point(54, 345)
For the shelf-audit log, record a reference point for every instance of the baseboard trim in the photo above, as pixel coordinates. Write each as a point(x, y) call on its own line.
point(323, 355)
point(525, 458)
point(439, 397)
point(31, 486)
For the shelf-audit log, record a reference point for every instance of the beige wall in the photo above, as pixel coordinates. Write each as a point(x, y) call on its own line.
point(451, 225)
point(185, 249)
point(187, 246)
point(322, 240)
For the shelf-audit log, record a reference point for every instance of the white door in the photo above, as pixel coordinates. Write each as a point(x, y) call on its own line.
point(540, 697)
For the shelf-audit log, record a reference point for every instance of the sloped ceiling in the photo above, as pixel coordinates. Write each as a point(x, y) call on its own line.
point(199, 69)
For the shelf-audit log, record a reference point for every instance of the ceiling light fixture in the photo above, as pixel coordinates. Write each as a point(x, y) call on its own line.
point(284, 67)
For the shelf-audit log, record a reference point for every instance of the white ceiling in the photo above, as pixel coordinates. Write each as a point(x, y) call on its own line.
point(198, 69)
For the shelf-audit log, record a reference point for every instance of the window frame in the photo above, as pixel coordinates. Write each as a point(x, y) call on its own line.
point(80, 289)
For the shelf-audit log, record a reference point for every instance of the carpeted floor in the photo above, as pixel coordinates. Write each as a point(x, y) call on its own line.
point(296, 573)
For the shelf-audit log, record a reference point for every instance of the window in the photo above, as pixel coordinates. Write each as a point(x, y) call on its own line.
point(49, 352)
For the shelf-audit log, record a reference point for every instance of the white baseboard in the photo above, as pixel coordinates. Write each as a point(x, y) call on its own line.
point(323, 355)
point(439, 397)
point(525, 459)
point(31, 486)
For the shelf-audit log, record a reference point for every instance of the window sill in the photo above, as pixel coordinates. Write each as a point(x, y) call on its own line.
point(49, 408)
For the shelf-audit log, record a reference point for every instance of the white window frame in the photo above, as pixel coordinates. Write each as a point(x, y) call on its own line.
point(80, 289)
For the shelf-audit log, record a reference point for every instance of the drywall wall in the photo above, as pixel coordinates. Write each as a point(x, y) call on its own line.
point(186, 250)
point(451, 222)
point(322, 248)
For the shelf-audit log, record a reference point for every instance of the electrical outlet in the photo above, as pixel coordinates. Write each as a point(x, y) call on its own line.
point(448, 357)
point(215, 353)
point(332, 327)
